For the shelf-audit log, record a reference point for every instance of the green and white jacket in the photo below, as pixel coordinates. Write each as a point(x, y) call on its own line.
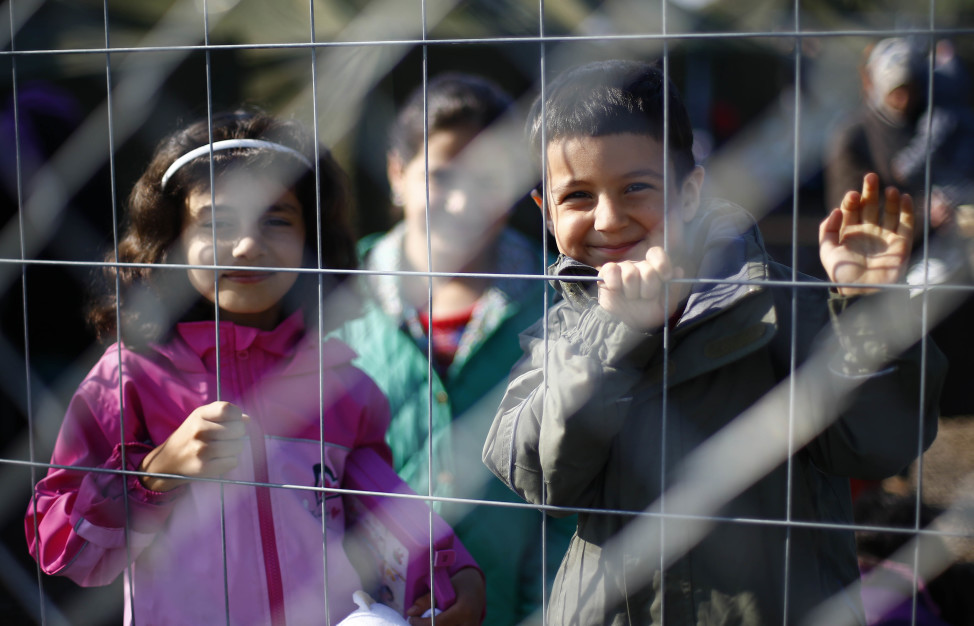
point(391, 347)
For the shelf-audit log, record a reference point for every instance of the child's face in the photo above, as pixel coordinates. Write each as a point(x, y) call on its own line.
point(470, 188)
point(258, 223)
point(606, 200)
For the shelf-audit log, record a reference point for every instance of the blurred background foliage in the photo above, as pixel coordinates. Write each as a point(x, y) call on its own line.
point(89, 87)
point(260, 53)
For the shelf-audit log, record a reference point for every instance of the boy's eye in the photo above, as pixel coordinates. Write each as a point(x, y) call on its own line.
point(443, 178)
point(636, 187)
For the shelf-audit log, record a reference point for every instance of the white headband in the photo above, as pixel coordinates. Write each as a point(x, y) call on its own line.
point(229, 144)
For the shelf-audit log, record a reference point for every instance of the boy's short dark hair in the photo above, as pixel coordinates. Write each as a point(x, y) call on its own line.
point(613, 97)
point(454, 100)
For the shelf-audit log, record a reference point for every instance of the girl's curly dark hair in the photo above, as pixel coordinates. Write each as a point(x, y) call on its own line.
point(150, 300)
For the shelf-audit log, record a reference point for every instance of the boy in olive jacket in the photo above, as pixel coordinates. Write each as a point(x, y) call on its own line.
point(679, 402)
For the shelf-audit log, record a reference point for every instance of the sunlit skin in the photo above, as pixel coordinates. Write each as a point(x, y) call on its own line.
point(470, 192)
point(902, 100)
point(258, 223)
point(468, 201)
point(605, 208)
point(471, 598)
point(867, 239)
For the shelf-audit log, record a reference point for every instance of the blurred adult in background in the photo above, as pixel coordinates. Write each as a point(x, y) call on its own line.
point(456, 190)
point(896, 132)
point(893, 78)
point(946, 131)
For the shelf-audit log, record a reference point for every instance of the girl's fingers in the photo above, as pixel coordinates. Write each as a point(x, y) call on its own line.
point(221, 412)
point(219, 467)
point(221, 421)
point(421, 605)
point(222, 451)
point(224, 432)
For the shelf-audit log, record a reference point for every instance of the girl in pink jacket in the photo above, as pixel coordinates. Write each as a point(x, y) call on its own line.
point(197, 455)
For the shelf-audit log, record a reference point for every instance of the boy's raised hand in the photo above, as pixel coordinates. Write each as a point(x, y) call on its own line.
point(867, 240)
point(207, 445)
point(634, 290)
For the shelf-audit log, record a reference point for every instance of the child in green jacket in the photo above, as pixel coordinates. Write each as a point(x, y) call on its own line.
point(466, 196)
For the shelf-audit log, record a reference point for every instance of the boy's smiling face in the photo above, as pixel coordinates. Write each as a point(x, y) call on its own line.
point(606, 198)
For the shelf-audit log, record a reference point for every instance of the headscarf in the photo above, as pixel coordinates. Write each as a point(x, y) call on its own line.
point(893, 63)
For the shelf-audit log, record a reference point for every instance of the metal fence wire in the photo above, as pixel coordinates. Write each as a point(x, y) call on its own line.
point(90, 89)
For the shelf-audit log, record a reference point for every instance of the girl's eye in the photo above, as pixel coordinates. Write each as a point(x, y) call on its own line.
point(277, 221)
point(217, 224)
point(574, 196)
point(278, 217)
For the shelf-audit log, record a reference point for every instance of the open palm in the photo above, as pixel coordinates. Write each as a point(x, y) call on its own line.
point(867, 240)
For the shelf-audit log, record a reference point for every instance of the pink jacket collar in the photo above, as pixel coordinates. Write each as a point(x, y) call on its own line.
point(201, 336)
point(195, 341)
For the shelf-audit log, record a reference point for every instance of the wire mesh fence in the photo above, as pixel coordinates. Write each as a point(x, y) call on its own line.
point(770, 87)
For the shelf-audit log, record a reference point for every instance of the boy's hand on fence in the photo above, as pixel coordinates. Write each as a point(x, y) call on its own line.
point(634, 291)
point(867, 240)
point(468, 610)
point(207, 444)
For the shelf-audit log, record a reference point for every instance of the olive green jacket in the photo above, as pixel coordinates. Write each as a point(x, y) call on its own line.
point(712, 434)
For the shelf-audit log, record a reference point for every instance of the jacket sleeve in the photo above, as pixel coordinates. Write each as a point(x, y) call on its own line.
point(554, 430)
point(89, 523)
point(891, 382)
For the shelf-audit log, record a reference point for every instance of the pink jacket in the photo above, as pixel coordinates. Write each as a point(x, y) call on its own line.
point(274, 562)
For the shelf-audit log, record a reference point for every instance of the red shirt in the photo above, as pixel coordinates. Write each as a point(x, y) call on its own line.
point(447, 331)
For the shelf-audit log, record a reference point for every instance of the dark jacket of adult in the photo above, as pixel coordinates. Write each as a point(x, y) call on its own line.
point(865, 142)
